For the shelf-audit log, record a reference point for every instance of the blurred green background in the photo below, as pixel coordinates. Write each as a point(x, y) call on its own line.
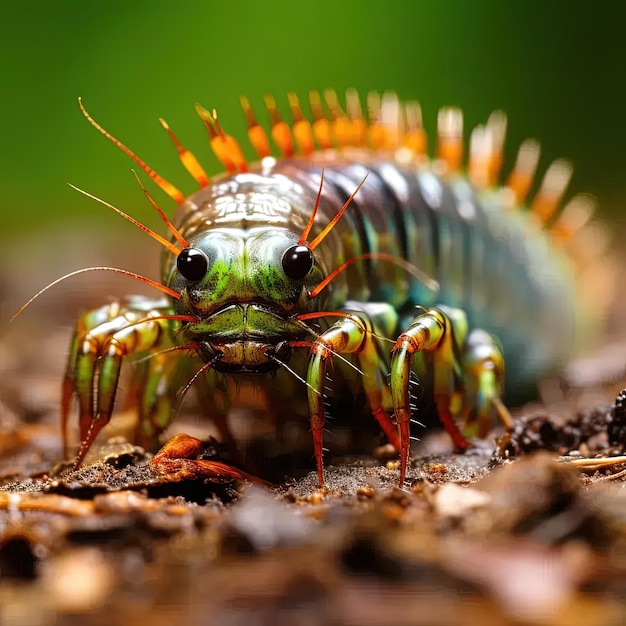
point(556, 68)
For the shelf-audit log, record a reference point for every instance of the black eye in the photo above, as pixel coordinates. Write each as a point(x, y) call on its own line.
point(297, 261)
point(192, 264)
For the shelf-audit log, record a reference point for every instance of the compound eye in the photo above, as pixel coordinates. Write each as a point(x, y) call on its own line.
point(298, 261)
point(192, 264)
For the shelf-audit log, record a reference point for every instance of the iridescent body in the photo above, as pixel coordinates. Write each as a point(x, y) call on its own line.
point(257, 317)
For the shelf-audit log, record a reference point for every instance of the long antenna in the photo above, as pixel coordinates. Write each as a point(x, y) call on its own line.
point(166, 186)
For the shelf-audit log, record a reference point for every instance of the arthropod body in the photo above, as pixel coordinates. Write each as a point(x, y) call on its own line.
point(359, 258)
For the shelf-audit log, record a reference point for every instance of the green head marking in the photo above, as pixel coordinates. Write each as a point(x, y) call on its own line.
point(245, 287)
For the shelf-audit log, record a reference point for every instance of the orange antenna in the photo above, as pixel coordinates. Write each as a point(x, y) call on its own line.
point(414, 136)
point(521, 178)
point(486, 144)
point(355, 113)
point(424, 278)
point(337, 217)
point(164, 242)
point(450, 138)
point(391, 118)
point(342, 126)
point(322, 130)
point(553, 186)
point(316, 314)
point(116, 270)
point(225, 147)
point(256, 132)
point(167, 187)
point(307, 228)
point(577, 212)
point(377, 135)
point(181, 240)
point(176, 318)
point(301, 344)
point(280, 129)
point(301, 127)
point(481, 150)
point(188, 346)
point(231, 144)
point(497, 125)
point(187, 158)
point(310, 344)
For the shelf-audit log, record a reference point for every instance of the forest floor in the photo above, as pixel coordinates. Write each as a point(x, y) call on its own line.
point(530, 529)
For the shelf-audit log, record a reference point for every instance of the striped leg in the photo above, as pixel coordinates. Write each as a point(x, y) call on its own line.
point(350, 335)
point(103, 337)
point(441, 331)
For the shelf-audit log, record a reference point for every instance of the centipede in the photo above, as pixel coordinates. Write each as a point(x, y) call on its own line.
point(348, 265)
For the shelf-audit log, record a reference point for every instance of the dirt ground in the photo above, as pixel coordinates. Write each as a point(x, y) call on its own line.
point(528, 529)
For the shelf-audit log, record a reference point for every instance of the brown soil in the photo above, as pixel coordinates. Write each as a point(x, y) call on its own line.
point(531, 530)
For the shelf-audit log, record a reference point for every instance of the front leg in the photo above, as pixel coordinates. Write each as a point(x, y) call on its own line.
point(352, 334)
point(429, 331)
point(103, 337)
point(467, 373)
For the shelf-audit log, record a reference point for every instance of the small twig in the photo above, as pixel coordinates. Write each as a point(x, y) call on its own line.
point(596, 463)
point(620, 474)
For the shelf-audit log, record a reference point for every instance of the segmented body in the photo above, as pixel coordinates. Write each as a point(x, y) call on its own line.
point(488, 262)
point(263, 325)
